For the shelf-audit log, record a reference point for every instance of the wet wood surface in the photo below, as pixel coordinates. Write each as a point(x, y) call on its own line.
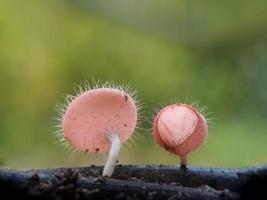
point(135, 182)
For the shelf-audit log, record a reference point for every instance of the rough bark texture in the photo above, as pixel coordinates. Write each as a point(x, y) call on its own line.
point(135, 182)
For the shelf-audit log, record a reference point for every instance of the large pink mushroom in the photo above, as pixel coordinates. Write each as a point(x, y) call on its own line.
point(180, 129)
point(99, 121)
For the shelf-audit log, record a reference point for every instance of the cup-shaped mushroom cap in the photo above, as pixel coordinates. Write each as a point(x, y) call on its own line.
point(92, 116)
point(180, 129)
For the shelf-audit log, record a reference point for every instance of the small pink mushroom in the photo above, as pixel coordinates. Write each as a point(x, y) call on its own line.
point(99, 121)
point(180, 129)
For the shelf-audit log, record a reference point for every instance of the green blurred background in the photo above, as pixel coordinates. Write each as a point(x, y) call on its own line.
point(213, 52)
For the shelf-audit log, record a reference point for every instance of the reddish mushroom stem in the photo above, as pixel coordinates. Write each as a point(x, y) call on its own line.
point(183, 161)
point(115, 142)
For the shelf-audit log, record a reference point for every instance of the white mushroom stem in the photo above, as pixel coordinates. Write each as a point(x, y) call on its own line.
point(114, 139)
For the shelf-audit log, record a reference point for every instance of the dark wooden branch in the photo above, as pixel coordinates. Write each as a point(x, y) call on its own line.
point(153, 182)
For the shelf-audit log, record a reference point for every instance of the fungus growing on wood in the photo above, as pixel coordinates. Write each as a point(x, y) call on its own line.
point(180, 129)
point(100, 120)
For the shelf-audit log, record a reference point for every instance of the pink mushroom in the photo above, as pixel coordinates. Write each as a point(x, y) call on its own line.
point(99, 121)
point(180, 129)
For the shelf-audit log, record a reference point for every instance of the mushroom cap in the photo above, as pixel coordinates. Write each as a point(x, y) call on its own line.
point(92, 116)
point(180, 129)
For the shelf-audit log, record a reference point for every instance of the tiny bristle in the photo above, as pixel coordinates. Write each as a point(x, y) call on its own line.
point(131, 142)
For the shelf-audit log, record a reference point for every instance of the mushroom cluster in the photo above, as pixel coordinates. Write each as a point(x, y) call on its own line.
point(101, 119)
